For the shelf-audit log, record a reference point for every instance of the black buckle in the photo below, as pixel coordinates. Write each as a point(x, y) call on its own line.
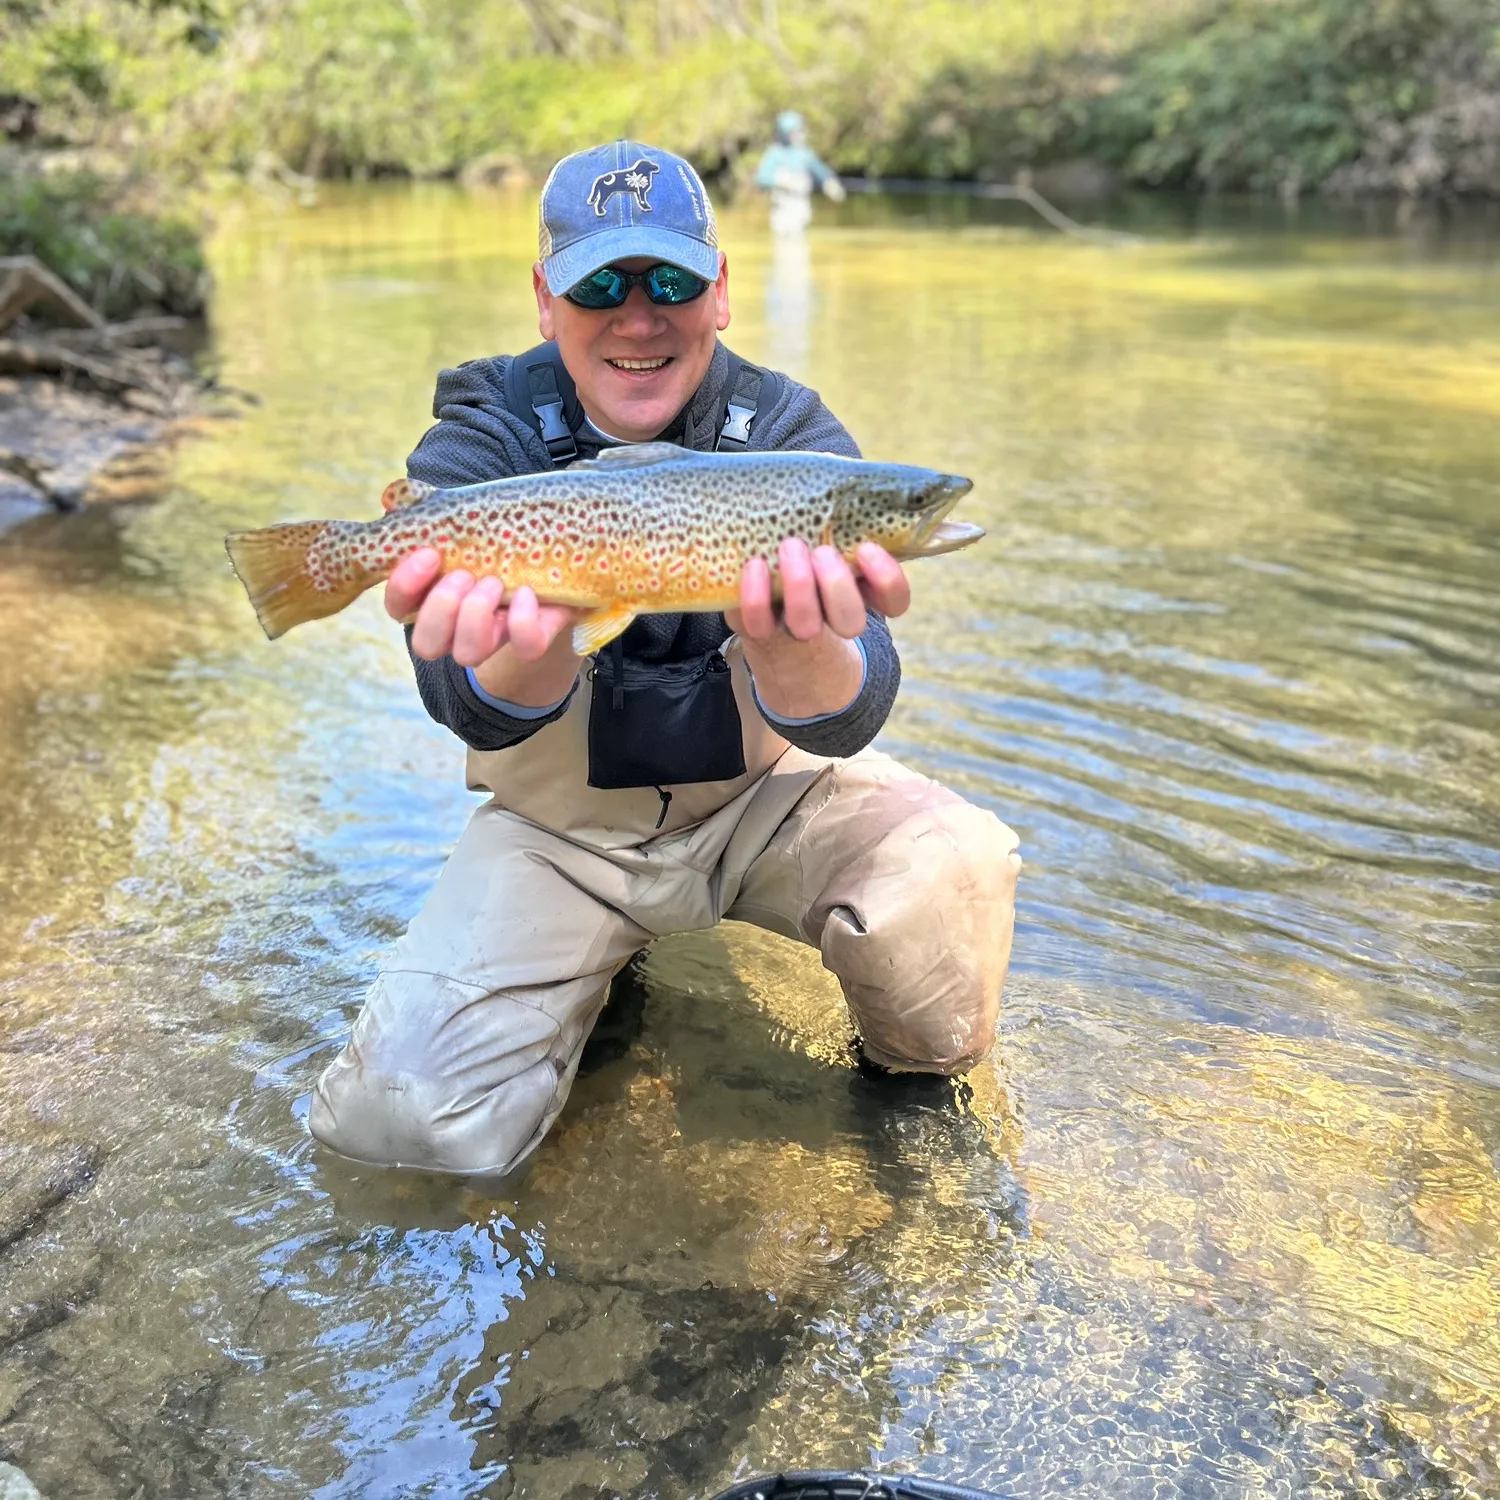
point(736, 430)
point(547, 403)
point(555, 432)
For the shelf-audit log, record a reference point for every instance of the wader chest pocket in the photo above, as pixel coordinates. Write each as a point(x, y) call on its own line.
point(662, 724)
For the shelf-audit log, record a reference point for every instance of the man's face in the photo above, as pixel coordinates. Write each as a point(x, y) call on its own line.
point(635, 365)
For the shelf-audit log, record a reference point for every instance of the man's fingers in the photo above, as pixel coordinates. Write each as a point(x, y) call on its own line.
point(554, 620)
point(534, 626)
point(432, 636)
point(481, 627)
point(757, 613)
point(884, 581)
point(801, 608)
point(843, 604)
point(409, 581)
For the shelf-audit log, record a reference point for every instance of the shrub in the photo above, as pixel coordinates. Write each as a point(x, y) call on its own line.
point(122, 259)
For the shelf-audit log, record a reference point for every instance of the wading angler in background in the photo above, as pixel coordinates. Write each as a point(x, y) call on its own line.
point(789, 171)
point(698, 766)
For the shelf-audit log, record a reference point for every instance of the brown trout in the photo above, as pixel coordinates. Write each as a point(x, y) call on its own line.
point(649, 528)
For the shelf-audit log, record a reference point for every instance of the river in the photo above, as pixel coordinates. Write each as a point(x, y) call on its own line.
point(1221, 1218)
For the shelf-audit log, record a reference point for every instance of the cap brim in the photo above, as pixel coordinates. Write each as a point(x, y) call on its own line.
point(570, 265)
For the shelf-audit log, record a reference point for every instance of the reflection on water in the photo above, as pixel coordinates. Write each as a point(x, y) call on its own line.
point(789, 304)
point(1221, 1219)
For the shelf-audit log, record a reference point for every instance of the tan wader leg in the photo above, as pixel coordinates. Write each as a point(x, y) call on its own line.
point(908, 891)
point(469, 1038)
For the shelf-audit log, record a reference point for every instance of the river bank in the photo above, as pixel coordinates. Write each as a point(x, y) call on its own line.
point(62, 447)
point(103, 293)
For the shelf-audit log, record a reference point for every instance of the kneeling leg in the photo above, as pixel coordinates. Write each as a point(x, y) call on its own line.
point(908, 892)
point(469, 1039)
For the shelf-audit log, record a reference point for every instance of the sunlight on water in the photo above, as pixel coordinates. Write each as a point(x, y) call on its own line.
point(1222, 1216)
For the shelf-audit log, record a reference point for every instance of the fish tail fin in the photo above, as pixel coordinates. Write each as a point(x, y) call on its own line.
point(287, 588)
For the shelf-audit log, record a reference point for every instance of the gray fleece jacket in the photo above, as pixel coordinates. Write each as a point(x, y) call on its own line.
point(477, 438)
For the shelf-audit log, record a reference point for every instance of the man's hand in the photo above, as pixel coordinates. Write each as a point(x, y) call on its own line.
point(802, 659)
point(819, 591)
point(468, 618)
point(472, 621)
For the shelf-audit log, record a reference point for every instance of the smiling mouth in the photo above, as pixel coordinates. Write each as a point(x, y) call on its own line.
point(640, 366)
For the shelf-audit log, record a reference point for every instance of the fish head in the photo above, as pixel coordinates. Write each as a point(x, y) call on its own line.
point(905, 509)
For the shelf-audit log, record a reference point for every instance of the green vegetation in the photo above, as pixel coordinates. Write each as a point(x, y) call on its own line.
point(117, 254)
point(1259, 94)
point(1390, 95)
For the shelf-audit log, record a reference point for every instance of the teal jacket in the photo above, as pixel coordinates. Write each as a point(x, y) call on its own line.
point(782, 158)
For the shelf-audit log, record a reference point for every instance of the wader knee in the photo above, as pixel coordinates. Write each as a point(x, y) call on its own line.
point(444, 1086)
point(918, 931)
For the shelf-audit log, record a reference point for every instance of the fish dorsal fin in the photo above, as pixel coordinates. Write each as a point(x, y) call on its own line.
point(400, 493)
point(632, 456)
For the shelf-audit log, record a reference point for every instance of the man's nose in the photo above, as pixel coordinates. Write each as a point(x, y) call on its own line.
point(638, 317)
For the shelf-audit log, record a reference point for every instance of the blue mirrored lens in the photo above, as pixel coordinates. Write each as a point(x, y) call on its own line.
point(671, 284)
point(605, 288)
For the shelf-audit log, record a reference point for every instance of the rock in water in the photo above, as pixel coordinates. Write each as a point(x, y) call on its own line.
point(14, 1485)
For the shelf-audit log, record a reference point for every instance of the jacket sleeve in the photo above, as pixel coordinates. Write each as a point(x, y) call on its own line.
point(800, 421)
point(475, 439)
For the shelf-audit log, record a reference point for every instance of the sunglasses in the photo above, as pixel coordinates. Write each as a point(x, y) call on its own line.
point(608, 287)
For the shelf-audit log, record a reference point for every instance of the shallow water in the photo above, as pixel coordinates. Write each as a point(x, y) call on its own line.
point(1222, 1217)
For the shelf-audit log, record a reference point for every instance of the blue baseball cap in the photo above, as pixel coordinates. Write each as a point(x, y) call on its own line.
point(613, 202)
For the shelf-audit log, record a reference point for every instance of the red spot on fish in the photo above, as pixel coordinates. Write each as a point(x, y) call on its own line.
point(473, 515)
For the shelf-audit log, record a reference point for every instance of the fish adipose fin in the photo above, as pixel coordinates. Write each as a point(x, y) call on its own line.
point(273, 566)
point(596, 630)
point(400, 493)
point(632, 456)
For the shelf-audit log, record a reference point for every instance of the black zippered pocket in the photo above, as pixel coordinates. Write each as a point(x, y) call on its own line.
point(662, 724)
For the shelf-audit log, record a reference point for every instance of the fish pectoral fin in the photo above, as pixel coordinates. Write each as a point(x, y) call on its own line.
point(598, 628)
point(400, 493)
point(631, 456)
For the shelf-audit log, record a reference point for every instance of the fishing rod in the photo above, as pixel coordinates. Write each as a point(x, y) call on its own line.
point(1011, 192)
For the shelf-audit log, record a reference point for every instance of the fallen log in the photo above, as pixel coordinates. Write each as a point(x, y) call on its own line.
point(115, 376)
point(26, 283)
point(135, 331)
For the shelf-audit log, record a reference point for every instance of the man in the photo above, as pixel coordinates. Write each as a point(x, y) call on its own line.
point(789, 170)
point(702, 767)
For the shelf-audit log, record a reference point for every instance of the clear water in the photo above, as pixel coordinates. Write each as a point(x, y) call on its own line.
point(1222, 1217)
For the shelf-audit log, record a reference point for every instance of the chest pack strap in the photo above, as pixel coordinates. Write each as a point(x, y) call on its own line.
point(547, 405)
point(539, 389)
point(747, 387)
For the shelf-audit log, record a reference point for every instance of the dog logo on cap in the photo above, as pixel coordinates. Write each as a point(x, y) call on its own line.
point(638, 179)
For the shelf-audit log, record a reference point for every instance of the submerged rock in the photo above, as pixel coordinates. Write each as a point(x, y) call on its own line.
point(14, 1485)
